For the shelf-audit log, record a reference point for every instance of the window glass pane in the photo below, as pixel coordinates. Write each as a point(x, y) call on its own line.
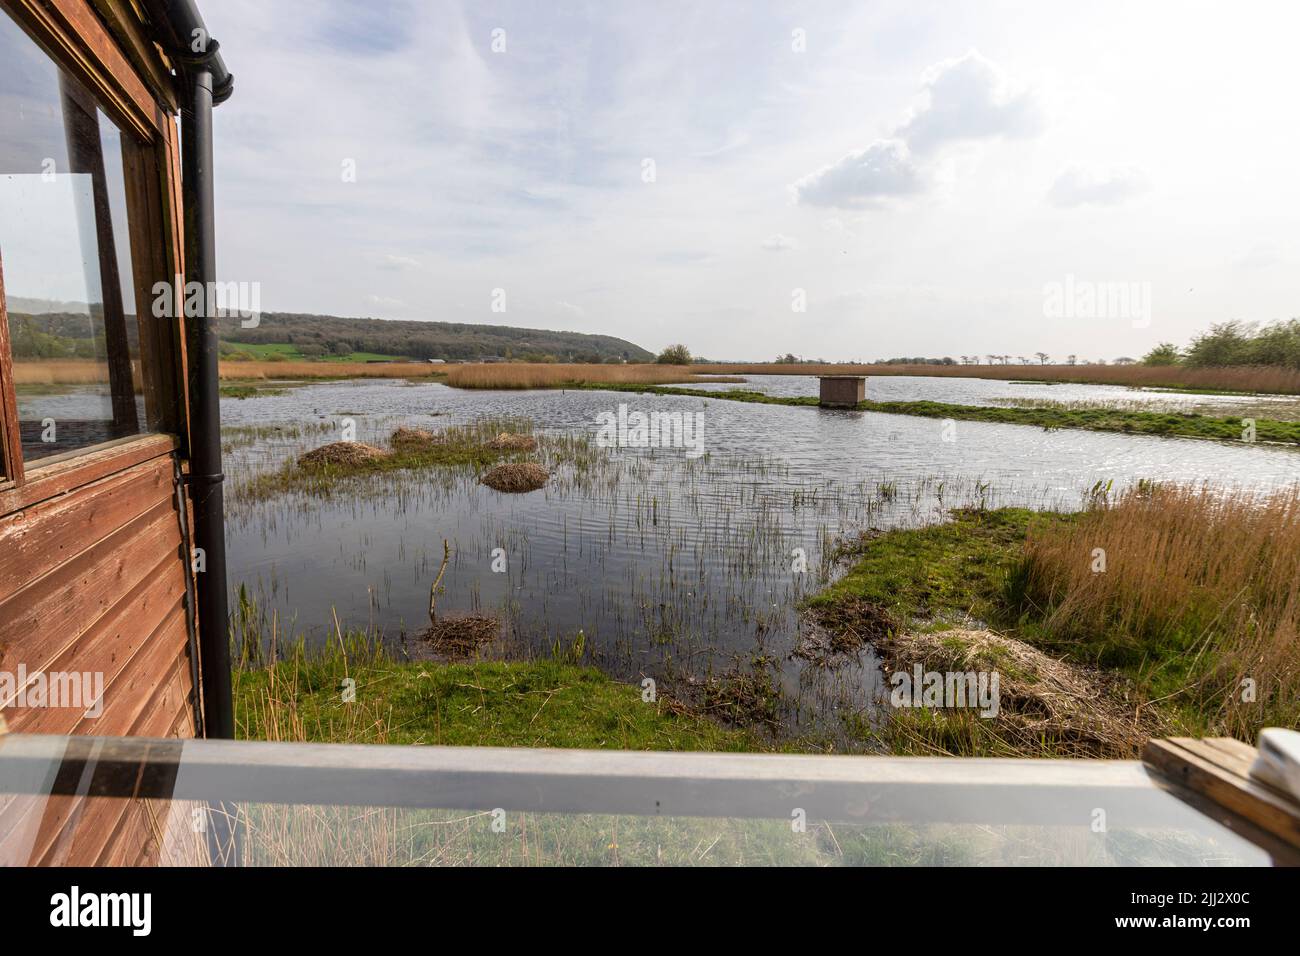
point(65, 251)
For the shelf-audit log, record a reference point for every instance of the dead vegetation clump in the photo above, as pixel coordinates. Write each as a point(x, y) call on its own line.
point(516, 477)
point(743, 698)
point(510, 441)
point(842, 630)
point(1042, 703)
point(412, 439)
point(341, 453)
point(461, 636)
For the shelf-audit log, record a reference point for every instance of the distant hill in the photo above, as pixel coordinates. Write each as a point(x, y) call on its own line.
point(66, 330)
point(321, 335)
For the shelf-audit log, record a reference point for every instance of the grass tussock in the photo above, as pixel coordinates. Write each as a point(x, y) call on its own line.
point(516, 477)
point(342, 454)
point(1196, 593)
point(412, 438)
point(509, 441)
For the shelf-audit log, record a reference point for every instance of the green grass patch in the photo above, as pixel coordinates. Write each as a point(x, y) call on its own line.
point(543, 703)
point(958, 570)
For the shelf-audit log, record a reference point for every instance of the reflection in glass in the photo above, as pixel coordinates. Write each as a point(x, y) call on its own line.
point(65, 252)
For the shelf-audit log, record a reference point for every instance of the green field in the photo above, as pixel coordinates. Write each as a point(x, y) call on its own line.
point(283, 351)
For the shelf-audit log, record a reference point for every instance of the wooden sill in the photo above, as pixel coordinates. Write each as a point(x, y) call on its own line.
point(65, 473)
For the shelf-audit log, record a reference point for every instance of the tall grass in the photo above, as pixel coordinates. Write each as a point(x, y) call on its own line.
point(240, 370)
point(1199, 597)
point(63, 371)
point(536, 375)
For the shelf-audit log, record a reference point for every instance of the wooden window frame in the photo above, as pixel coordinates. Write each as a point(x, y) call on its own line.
point(128, 78)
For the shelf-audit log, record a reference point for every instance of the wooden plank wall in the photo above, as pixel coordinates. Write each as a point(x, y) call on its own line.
point(93, 580)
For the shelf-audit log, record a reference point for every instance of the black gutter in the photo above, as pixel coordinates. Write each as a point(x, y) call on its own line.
point(198, 61)
point(179, 27)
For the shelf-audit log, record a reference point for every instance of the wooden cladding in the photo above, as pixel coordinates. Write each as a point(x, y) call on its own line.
point(93, 583)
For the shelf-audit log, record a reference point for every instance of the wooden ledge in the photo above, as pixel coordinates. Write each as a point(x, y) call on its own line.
point(1218, 768)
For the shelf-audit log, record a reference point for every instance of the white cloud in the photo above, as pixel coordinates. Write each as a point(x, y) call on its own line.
point(778, 243)
point(969, 98)
point(883, 170)
point(964, 99)
point(1081, 186)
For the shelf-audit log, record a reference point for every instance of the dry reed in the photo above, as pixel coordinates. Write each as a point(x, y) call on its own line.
point(530, 375)
point(63, 371)
point(1207, 583)
point(243, 371)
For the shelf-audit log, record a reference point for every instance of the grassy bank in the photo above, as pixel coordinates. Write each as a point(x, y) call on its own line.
point(1169, 424)
point(542, 703)
point(1168, 610)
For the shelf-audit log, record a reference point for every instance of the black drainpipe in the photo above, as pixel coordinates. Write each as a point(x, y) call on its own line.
point(198, 60)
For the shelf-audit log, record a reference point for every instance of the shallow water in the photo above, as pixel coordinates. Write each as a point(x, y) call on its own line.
point(669, 565)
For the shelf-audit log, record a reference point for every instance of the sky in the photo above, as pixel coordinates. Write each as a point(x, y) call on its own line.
point(848, 181)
